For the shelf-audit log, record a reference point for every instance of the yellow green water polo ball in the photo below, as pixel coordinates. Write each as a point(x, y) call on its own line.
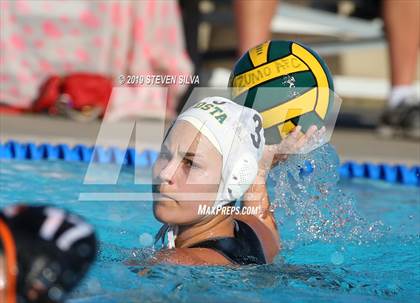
point(287, 83)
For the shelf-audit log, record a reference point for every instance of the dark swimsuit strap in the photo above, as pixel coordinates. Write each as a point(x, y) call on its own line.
point(244, 248)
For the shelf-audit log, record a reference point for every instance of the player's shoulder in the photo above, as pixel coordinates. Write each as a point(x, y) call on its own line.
point(191, 256)
point(265, 235)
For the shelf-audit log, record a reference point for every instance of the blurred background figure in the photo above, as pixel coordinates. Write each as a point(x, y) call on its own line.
point(402, 29)
point(253, 22)
point(46, 39)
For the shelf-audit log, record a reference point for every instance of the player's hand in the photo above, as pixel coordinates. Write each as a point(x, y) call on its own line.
point(294, 143)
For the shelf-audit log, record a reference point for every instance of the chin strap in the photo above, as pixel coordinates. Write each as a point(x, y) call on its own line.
point(171, 230)
point(172, 233)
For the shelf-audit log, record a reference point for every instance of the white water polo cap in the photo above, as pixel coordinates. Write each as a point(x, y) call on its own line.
point(236, 132)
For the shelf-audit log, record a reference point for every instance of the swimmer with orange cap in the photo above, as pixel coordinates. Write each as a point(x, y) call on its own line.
point(44, 253)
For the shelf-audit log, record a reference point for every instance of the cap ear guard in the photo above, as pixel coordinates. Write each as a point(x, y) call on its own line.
point(241, 177)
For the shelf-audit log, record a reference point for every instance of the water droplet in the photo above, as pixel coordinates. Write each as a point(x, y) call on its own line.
point(337, 258)
point(55, 294)
point(94, 285)
point(146, 239)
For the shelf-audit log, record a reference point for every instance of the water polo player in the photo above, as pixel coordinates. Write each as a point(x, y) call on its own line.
point(213, 155)
point(44, 253)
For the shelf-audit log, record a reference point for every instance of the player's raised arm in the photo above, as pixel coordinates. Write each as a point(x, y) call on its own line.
point(257, 195)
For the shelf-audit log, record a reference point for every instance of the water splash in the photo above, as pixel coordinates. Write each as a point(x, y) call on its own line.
point(290, 82)
point(314, 199)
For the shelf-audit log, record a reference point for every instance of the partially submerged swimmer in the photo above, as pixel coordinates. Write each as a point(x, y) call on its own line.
point(44, 253)
point(213, 155)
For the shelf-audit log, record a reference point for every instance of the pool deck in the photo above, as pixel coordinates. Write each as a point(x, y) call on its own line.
point(361, 145)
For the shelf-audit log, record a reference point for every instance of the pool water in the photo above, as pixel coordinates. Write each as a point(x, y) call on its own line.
point(343, 241)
